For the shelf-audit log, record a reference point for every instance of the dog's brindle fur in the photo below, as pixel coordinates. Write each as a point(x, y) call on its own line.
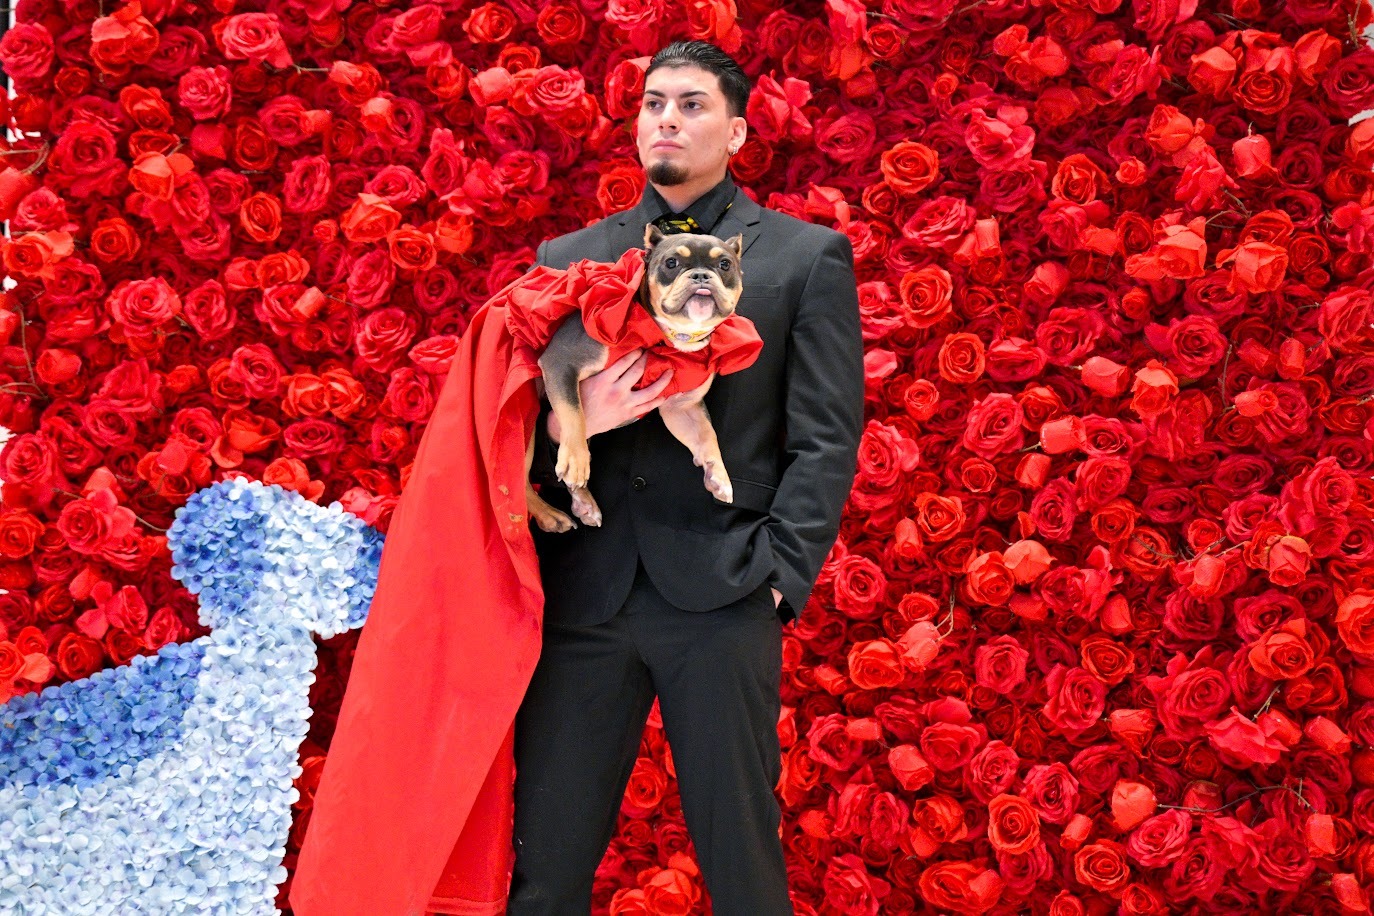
point(675, 267)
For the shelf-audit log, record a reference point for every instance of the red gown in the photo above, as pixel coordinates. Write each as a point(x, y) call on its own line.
point(414, 809)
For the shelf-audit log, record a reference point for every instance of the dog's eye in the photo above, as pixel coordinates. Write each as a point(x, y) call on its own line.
point(670, 263)
point(724, 265)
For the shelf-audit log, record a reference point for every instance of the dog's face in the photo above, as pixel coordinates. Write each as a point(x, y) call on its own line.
point(693, 282)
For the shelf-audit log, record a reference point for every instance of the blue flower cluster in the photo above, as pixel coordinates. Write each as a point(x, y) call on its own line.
point(166, 786)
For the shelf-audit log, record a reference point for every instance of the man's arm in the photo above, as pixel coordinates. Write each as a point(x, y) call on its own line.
point(824, 420)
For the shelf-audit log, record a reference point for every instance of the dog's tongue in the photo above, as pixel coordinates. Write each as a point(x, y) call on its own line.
point(701, 306)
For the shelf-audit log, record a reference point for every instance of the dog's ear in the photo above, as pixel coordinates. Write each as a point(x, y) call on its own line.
point(737, 244)
point(652, 235)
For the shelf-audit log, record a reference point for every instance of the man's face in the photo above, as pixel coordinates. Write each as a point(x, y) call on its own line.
point(685, 130)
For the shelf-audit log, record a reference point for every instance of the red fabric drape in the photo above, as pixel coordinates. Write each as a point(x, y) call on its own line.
point(414, 808)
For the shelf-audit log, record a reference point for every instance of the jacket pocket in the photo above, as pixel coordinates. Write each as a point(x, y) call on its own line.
point(757, 291)
point(750, 494)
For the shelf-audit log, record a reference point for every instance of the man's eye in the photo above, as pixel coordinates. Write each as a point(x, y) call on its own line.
point(671, 263)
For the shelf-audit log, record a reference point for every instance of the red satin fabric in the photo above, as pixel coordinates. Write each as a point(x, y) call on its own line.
point(414, 809)
point(612, 315)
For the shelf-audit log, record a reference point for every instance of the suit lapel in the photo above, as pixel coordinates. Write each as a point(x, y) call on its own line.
point(627, 230)
point(741, 219)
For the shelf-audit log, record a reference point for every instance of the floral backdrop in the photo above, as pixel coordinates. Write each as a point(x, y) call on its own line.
point(1098, 632)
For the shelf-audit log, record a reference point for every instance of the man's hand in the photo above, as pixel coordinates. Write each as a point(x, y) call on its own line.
point(777, 599)
point(609, 399)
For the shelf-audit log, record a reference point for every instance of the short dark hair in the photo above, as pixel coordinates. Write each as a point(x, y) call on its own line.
point(712, 59)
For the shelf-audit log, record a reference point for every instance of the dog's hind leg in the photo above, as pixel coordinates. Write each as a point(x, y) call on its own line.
point(686, 418)
point(584, 507)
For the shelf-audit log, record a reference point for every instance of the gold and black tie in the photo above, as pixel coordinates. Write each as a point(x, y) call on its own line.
point(671, 223)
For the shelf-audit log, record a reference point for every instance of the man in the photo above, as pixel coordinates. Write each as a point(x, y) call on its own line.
point(676, 594)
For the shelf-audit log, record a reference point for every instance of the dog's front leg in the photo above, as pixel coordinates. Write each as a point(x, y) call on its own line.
point(686, 417)
point(571, 356)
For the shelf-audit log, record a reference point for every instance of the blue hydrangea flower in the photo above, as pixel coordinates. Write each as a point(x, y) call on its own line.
point(165, 786)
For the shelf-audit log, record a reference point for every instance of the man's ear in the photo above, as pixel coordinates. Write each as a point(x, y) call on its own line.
point(652, 235)
point(736, 244)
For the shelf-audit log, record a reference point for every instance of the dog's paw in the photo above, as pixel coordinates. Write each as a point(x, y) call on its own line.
point(574, 465)
point(552, 521)
point(585, 508)
point(718, 482)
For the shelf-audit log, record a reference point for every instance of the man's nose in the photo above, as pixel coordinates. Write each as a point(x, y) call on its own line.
point(668, 117)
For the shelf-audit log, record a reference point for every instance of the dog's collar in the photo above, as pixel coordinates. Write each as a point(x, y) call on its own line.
point(682, 337)
point(678, 338)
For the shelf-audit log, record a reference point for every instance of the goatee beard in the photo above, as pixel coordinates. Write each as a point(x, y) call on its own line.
point(667, 174)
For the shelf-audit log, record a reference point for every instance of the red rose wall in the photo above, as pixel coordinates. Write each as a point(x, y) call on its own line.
point(1098, 632)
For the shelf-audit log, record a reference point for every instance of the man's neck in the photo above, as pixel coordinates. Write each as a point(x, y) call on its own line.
point(682, 196)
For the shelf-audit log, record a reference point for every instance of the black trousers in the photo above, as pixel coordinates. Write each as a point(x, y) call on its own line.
point(578, 731)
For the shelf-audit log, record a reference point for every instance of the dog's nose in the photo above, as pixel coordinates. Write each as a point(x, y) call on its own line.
point(701, 276)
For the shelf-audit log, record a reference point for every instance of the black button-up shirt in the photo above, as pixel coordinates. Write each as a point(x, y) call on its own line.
point(706, 209)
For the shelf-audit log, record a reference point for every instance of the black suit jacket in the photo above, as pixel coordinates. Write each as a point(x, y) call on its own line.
point(788, 425)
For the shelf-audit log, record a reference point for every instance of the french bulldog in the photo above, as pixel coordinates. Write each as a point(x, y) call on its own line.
point(691, 284)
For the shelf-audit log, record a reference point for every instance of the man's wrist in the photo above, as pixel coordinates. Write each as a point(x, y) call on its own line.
point(551, 427)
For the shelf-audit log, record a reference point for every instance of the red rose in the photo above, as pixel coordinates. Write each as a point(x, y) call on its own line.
point(987, 579)
point(910, 167)
point(122, 40)
point(260, 216)
point(994, 426)
point(1159, 840)
point(1283, 652)
point(850, 889)
point(949, 746)
point(547, 91)
point(1076, 699)
point(1266, 84)
point(992, 771)
point(205, 92)
point(1102, 866)
point(1107, 660)
point(939, 222)
point(961, 358)
point(409, 395)
point(1354, 623)
point(926, 295)
point(254, 37)
point(860, 587)
point(875, 664)
point(142, 307)
point(1000, 664)
point(26, 50)
point(1013, 825)
point(960, 887)
point(645, 789)
point(939, 518)
point(371, 280)
point(1051, 790)
point(1153, 390)
point(79, 656)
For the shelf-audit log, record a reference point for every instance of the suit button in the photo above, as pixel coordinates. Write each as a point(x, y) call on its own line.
point(639, 483)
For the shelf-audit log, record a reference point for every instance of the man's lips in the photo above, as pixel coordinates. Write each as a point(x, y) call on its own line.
point(666, 144)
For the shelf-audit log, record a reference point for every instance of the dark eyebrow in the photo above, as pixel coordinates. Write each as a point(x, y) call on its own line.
point(684, 95)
